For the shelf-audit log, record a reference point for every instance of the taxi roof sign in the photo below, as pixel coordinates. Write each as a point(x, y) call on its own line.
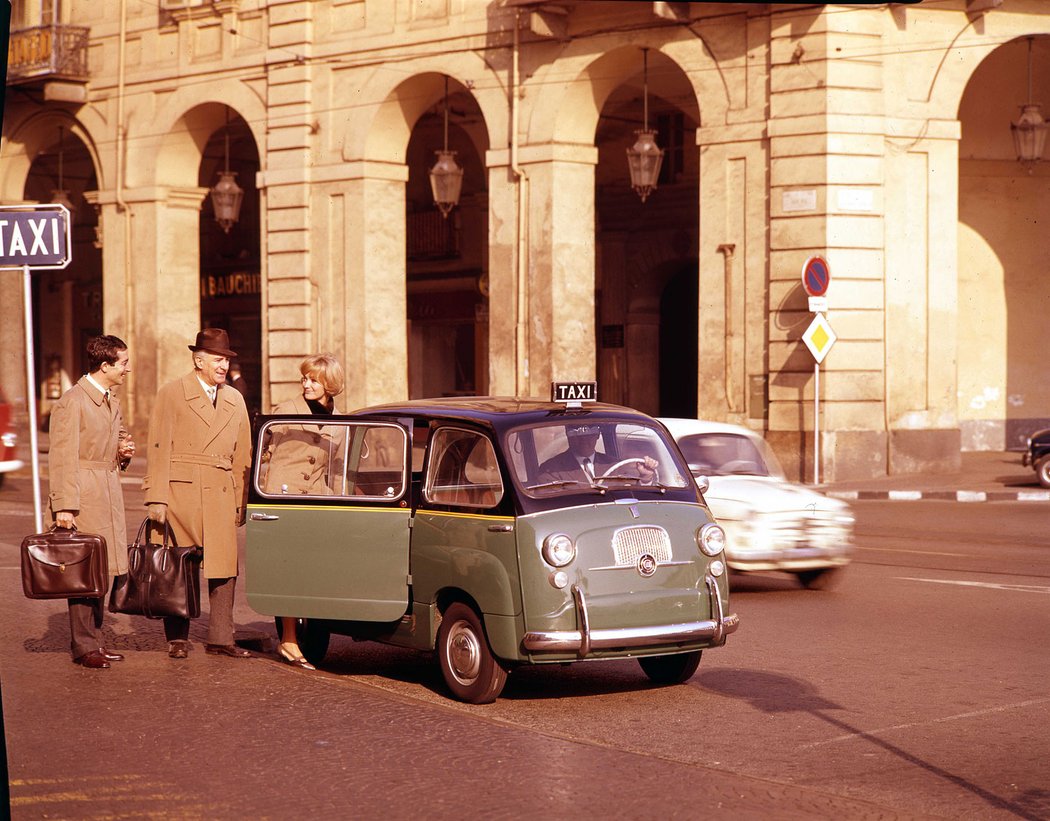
point(574, 394)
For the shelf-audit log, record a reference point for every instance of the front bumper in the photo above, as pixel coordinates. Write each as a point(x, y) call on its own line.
point(11, 464)
point(789, 559)
point(585, 640)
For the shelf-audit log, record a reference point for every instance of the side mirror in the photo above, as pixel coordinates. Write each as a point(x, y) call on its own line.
point(703, 483)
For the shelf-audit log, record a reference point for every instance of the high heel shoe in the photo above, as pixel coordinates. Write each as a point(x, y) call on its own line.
point(293, 659)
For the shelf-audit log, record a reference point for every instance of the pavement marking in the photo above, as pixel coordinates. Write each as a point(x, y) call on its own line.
point(904, 550)
point(1020, 588)
point(905, 495)
point(1002, 708)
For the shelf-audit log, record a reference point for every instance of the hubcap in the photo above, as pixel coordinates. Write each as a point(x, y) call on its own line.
point(464, 653)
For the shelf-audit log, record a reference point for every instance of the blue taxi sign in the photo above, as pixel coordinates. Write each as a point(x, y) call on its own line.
point(572, 394)
point(34, 236)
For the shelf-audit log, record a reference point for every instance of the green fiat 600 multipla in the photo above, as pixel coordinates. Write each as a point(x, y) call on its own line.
point(498, 531)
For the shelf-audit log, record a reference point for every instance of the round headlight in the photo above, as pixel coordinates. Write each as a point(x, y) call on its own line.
point(558, 550)
point(711, 539)
point(717, 568)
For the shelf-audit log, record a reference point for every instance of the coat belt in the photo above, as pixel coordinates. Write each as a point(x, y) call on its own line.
point(204, 459)
point(87, 464)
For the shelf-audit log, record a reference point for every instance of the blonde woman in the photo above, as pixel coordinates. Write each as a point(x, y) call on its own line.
point(303, 457)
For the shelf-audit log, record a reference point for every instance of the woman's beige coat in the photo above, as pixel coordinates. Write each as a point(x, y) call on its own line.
point(303, 455)
point(197, 463)
point(83, 474)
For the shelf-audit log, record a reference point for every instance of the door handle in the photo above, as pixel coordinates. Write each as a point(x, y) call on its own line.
point(501, 528)
point(263, 517)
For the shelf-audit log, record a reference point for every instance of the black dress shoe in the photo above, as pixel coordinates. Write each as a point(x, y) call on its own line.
point(93, 660)
point(178, 649)
point(109, 655)
point(231, 650)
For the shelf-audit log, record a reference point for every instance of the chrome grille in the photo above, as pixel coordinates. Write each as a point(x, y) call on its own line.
point(629, 543)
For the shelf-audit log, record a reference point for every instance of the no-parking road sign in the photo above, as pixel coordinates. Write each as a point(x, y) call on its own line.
point(816, 276)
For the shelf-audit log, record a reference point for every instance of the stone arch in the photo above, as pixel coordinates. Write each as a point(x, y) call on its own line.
point(34, 134)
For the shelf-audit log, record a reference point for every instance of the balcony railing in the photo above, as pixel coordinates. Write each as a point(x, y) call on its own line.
point(55, 52)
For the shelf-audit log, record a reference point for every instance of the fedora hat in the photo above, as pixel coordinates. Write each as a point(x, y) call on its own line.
point(213, 340)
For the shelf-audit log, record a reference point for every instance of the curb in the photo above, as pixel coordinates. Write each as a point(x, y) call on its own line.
point(941, 495)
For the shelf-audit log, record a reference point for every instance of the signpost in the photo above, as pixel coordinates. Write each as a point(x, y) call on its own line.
point(819, 337)
point(34, 236)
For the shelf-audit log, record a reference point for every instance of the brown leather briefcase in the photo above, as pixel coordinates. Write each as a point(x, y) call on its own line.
point(64, 563)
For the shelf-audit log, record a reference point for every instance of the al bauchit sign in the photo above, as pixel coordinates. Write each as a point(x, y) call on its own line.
point(220, 285)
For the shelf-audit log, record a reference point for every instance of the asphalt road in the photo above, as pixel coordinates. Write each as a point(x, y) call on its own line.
point(917, 688)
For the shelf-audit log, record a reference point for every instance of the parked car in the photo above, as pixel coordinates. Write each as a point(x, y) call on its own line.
point(9, 460)
point(770, 523)
point(1037, 454)
point(443, 525)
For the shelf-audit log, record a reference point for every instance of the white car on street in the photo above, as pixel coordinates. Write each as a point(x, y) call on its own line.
point(770, 523)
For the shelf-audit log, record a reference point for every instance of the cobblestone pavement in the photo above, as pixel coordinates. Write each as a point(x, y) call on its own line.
point(212, 737)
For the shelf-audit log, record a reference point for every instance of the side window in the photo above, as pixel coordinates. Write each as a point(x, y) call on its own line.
point(462, 470)
point(341, 460)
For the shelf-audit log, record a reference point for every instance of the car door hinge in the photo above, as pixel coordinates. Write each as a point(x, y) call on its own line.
point(411, 522)
point(408, 579)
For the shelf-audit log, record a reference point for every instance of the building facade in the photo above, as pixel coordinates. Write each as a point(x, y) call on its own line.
point(875, 136)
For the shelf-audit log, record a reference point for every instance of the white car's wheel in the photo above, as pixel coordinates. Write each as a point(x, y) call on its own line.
point(1042, 470)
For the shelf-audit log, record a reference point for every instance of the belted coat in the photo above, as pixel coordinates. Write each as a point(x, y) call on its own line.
point(83, 474)
point(197, 463)
point(303, 457)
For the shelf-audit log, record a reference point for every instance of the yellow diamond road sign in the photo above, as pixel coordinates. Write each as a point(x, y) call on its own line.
point(819, 337)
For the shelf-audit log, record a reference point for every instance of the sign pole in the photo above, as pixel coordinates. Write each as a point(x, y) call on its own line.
point(816, 423)
point(34, 449)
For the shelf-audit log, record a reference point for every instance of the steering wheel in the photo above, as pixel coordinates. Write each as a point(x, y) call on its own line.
point(613, 468)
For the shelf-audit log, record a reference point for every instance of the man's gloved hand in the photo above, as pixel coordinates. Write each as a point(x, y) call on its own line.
point(158, 512)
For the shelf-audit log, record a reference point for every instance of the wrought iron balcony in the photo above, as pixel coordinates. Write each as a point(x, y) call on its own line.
point(43, 53)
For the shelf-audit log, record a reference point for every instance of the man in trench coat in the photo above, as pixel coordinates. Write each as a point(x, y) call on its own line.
point(88, 443)
point(197, 462)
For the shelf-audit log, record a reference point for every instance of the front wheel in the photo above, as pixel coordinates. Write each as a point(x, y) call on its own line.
point(312, 639)
point(670, 669)
point(470, 670)
point(1042, 470)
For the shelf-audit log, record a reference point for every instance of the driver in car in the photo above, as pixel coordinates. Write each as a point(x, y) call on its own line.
point(579, 463)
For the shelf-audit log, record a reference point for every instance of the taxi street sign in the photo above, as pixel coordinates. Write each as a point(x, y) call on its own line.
point(816, 276)
point(34, 236)
point(819, 337)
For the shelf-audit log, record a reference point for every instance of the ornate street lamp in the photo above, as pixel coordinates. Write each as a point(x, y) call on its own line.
point(60, 195)
point(226, 195)
point(645, 157)
point(1030, 129)
point(446, 177)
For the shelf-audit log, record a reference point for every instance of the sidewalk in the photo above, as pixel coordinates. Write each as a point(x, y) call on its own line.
point(984, 476)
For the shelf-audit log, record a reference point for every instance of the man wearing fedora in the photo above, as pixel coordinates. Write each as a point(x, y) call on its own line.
point(197, 462)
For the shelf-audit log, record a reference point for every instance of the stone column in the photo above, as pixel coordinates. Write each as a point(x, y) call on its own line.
point(502, 273)
point(560, 265)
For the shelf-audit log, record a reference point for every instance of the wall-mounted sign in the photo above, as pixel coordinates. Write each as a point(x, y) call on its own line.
point(34, 236)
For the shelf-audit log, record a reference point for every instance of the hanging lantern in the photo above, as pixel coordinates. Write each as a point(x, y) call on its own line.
point(645, 157)
point(60, 195)
point(1029, 132)
point(446, 176)
point(226, 195)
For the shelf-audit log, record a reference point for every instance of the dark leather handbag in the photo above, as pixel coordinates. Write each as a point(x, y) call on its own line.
point(162, 579)
point(63, 563)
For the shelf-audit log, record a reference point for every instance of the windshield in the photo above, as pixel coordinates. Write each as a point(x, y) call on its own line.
point(575, 457)
point(727, 454)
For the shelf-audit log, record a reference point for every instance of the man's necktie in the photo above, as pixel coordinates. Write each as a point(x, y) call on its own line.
point(588, 468)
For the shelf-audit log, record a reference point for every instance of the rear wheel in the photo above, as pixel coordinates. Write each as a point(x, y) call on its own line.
point(670, 669)
point(823, 579)
point(312, 639)
point(470, 670)
point(1042, 470)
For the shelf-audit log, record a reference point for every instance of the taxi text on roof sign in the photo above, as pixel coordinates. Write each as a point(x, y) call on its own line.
point(34, 236)
point(574, 392)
